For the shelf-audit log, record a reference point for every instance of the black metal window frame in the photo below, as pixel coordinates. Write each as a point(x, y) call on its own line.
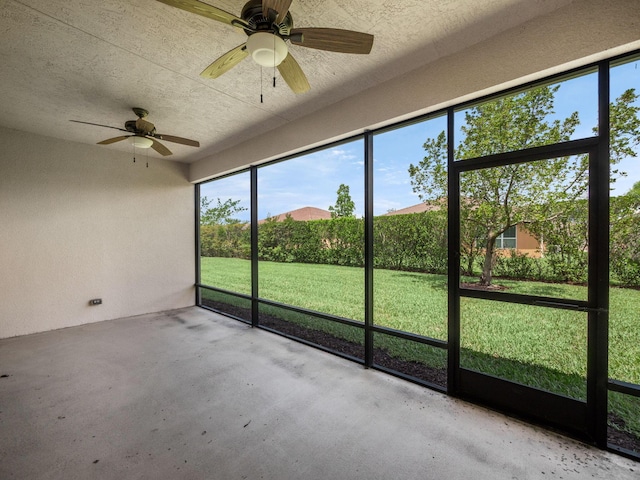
point(598, 147)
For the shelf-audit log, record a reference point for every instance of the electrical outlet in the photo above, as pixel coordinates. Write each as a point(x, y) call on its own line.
point(95, 301)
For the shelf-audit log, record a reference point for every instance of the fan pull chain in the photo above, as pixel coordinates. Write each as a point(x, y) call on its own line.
point(261, 99)
point(274, 61)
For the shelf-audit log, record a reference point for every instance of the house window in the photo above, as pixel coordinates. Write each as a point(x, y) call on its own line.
point(507, 239)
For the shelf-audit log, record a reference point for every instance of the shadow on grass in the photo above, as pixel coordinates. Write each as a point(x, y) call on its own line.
point(542, 289)
point(432, 281)
point(536, 376)
point(507, 285)
point(422, 361)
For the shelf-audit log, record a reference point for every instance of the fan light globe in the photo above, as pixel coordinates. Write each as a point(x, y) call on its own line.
point(267, 49)
point(140, 142)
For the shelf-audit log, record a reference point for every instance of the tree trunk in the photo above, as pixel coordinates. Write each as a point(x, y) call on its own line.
point(487, 266)
point(470, 259)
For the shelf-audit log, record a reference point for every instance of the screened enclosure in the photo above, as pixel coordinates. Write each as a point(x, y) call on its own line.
point(490, 250)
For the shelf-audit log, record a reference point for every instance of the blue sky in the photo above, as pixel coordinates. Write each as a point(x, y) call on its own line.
point(313, 179)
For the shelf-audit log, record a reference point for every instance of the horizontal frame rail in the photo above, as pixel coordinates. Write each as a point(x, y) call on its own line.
point(312, 344)
point(534, 300)
point(544, 152)
point(410, 378)
point(226, 292)
point(305, 311)
point(624, 387)
point(433, 342)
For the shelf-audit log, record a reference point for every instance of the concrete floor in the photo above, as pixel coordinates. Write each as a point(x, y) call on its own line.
point(188, 394)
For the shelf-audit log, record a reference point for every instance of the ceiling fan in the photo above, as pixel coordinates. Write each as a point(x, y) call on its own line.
point(269, 25)
point(144, 134)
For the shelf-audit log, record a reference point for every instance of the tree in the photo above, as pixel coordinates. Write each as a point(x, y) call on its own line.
point(625, 237)
point(495, 199)
point(221, 235)
point(566, 241)
point(220, 214)
point(344, 206)
point(625, 130)
point(634, 192)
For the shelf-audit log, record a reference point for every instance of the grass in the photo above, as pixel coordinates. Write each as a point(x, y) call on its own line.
point(537, 346)
point(545, 348)
point(323, 288)
point(229, 273)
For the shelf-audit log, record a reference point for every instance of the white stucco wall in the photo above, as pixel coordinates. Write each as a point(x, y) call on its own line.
point(80, 222)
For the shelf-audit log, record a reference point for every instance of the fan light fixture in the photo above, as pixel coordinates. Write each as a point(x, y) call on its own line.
point(267, 49)
point(140, 142)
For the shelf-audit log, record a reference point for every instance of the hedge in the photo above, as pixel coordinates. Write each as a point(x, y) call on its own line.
point(410, 242)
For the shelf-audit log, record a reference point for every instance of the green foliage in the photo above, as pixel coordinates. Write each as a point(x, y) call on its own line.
point(471, 246)
point(411, 242)
point(344, 206)
point(625, 237)
point(625, 210)
point(220, 214)
point(414, 242)
point(339, 241)
point(232, 240)
point(418, 242)
point(537, 193)
point(343, 241)
point(287, 241)
point(495, 199)
point(220, 234)
point(571, 267)
point(624, 115)
point(565, 237)
point(518, 265)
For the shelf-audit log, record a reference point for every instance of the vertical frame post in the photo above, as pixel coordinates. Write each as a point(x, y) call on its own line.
point(598, 317)
point(197, 241)
point(368, 249)
point(453, 269)
point(254, 246)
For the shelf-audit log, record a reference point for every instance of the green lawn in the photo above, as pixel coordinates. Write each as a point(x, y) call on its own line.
point(538, 346)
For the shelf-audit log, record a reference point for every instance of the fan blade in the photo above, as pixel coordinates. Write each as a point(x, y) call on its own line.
point(226, 62)
point(206, 10)
point(180, 140)
point(160, 148)
point(99, 125)
point(333, 40)
point(279, 6)
point(113, 140)
point(145, 127)
point(293, 75)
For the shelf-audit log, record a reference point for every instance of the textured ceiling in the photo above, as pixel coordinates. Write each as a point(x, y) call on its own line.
point(93, 60)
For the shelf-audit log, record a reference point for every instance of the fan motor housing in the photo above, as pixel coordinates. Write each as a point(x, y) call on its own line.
point(252, 14)
point(130, 126)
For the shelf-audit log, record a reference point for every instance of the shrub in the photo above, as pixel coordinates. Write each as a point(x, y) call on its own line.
point(232, 240)
point(416, 242)
point(627, 271)
point(517, 265)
